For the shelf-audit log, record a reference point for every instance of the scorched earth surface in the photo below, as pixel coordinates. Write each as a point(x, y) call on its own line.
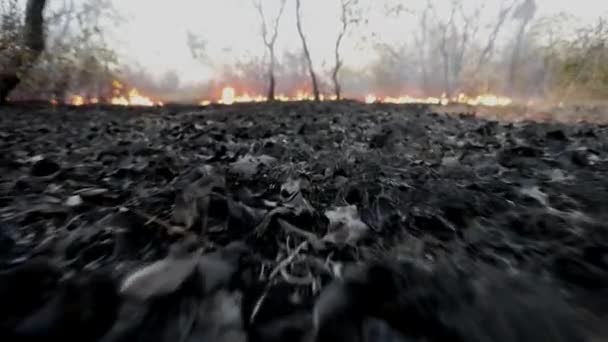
point(275, 201)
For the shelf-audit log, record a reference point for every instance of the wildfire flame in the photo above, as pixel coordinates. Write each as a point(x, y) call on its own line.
point(229, 96)
point(490, 100)
point(77, 100)
point(133, 98)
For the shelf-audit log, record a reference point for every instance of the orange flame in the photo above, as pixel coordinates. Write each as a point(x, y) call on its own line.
point(77, 100)
point(229, 96)
point(133, 98)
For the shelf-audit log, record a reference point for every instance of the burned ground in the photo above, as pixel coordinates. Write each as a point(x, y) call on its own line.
point(88, 195)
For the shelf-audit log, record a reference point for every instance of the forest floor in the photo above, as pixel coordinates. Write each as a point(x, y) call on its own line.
point(307, 188)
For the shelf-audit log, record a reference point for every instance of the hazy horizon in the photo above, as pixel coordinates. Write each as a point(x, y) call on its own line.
point(154, 34)
point(533, 53)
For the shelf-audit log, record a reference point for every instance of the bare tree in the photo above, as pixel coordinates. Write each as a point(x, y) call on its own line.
point(421, 40)
point(32, 41)
point(525, 13)
point(488, 50)
point(346, 19)
point(313, 76)
point(451, 39)
point(269, 41)
point(444, 42)
point(461, 38)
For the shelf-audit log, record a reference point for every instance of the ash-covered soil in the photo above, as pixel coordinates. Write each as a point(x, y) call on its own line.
point(299, 222)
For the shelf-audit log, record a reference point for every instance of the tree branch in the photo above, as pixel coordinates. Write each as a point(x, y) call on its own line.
point(488, 50)
point(276, 22)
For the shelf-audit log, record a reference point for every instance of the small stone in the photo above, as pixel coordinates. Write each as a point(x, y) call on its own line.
point(450, 161)
point(74, 201)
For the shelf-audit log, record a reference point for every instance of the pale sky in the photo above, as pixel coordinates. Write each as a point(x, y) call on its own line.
point(154, 35)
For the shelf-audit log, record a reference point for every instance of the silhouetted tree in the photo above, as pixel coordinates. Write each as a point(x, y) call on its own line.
point(311, 70)
point(421, 40)
point(444, 40)
point(525, 13)
point(346, 18)
point(488, 50)
point(270, 39)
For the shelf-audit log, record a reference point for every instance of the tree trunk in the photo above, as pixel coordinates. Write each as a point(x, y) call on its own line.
point(422, 43)
point(337, 67)
point(444, 50)
point(446, 76)
point(515, 56)
point(32, 41)
point(269, 42)
point(272, 82)
point(313, 76)
point(446, 66)
point(337, 87)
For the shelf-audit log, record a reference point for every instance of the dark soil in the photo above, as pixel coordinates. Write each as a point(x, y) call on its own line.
point(237, 223)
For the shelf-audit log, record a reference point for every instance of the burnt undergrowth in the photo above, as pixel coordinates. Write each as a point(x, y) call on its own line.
point(302, 221)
